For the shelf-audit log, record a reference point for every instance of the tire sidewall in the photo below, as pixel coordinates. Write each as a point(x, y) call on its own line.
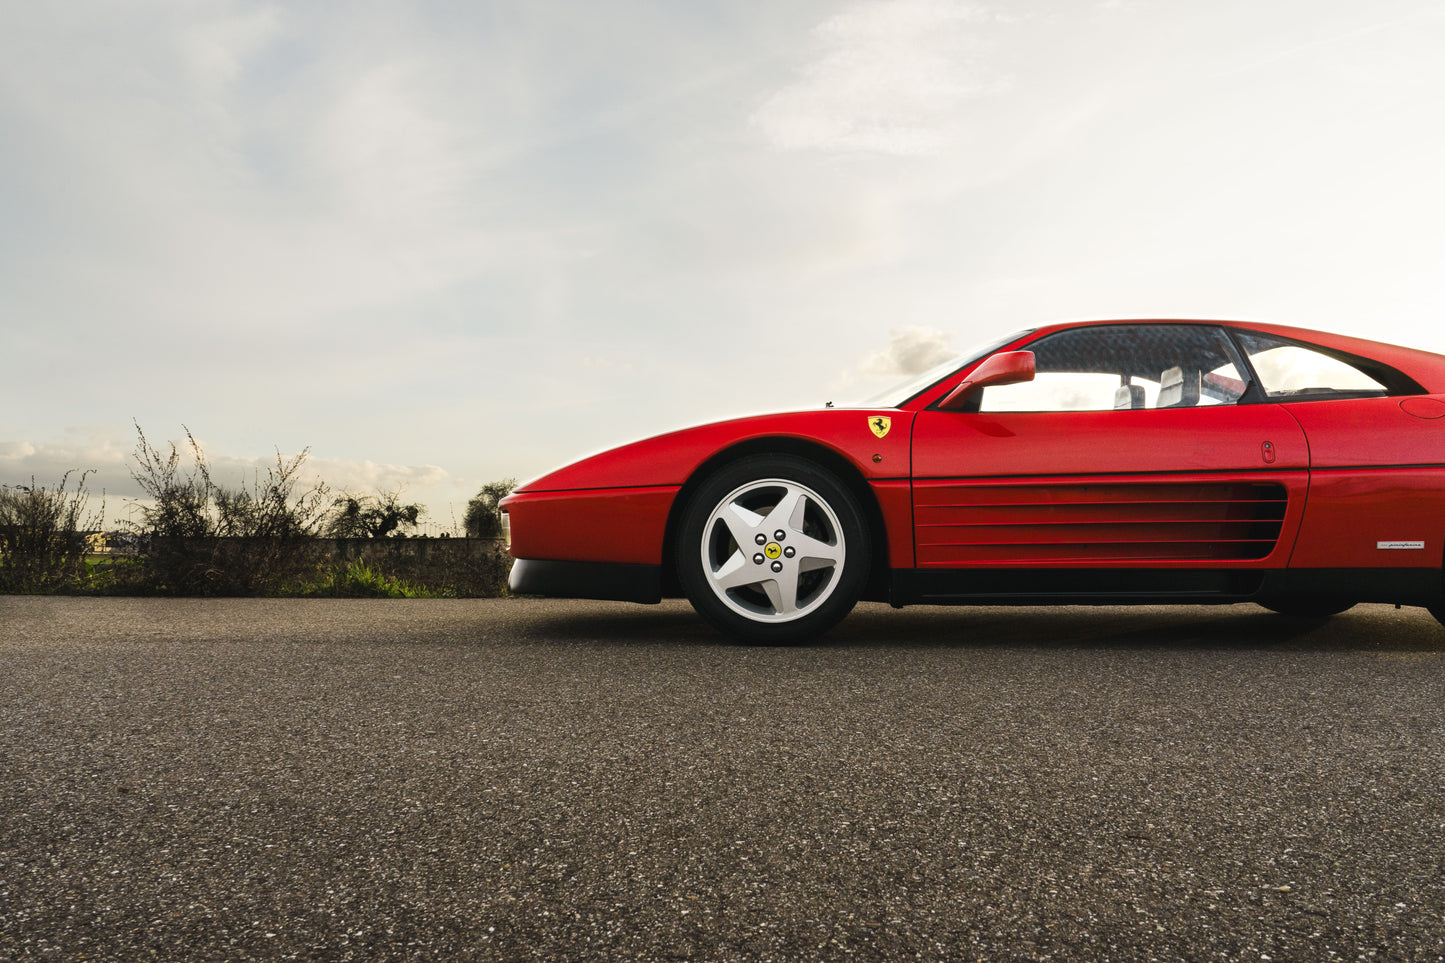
point(850, 581)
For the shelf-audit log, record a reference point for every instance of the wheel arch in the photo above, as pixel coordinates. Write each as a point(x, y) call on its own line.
point(841, 467)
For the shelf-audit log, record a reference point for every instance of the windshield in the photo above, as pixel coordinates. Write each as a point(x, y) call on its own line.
point(901, 394)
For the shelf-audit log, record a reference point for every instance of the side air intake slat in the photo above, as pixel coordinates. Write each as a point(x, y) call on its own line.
point(959, 525)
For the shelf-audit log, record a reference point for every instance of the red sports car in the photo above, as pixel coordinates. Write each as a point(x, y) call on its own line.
point(1103, 462)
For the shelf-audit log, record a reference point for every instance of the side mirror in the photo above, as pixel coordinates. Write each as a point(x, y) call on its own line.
point(1006, 368)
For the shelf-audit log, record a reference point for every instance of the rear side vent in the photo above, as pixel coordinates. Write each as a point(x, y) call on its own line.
point(1045, 523)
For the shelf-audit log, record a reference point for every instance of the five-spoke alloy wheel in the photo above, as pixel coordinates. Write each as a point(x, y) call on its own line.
point(773, 549)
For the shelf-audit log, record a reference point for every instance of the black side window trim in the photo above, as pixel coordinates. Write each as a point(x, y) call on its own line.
point(1395, 381)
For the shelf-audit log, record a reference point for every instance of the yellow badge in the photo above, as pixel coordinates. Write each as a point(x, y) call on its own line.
point(879, 424)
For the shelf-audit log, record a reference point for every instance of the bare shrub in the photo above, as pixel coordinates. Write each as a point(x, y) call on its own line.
point(208, 539)
point(43, 536)
point(197, 537)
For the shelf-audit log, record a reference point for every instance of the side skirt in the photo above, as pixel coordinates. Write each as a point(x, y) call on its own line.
point(1160, 586)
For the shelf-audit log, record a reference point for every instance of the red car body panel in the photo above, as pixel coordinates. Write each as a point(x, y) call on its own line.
point(1368, 432)
point(672, 458)
point(895, 501)
point(624, 525)
point(614, 505)
point(1371, 482)
point(953, 444)
point(1340, 484)
point(1354, 511)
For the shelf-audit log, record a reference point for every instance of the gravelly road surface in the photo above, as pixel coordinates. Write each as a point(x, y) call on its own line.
point(521, 779)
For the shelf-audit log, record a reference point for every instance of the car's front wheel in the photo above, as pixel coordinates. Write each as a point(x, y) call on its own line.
point(773, 549)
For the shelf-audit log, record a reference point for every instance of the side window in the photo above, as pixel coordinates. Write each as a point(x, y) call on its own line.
point(1288, 370)
point(1125, 367)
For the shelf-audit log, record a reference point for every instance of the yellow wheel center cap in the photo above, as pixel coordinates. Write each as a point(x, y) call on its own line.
point(773, 550)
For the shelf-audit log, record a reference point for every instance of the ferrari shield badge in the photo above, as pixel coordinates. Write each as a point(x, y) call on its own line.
point(879, 424)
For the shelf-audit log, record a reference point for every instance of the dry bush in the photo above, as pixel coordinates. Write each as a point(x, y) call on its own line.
point(43, 536)
point(203, 538)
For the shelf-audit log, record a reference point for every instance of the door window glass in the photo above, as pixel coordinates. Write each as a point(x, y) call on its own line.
point(1125, 367)
point(1287, 370)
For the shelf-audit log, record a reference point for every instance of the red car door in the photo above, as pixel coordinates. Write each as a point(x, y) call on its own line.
point(1171, 477)
point(1219, 485)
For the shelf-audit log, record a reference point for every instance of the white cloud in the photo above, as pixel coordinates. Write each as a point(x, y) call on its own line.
point(889, 76)
point(338, 474)
point(363, 477)
point(100, 451)
point(218, 50)
point(911, 350)
point(391, 148)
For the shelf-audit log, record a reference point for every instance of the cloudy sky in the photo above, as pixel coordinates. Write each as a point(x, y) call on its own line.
point(442, 243)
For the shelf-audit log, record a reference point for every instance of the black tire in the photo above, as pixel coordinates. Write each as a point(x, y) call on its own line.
point(1307, 606)
point(755, 586)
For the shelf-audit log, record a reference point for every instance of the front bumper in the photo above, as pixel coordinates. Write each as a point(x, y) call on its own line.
point(609, 581)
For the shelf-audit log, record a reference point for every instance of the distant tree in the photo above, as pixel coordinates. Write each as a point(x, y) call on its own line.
point(371, 516)
point(484, 516)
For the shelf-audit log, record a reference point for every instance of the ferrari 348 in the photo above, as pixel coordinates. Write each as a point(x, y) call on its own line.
point(1106, 462)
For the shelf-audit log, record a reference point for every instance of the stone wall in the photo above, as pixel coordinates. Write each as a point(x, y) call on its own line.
point(471, 566)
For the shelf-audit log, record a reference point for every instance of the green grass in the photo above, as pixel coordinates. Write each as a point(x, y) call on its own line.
point(130, 575)
point(359, 580)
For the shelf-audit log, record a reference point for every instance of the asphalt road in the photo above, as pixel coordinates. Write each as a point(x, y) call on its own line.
point(520, 779)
